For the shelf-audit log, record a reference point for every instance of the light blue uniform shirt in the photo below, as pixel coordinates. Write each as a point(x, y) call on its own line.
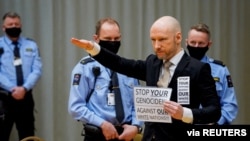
point(97, 109)
point(31, 63)
point(225, 90)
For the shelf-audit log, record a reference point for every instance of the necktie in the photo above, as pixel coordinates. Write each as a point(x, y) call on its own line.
point(118, 99)
point(164, 79)
point(18, 65)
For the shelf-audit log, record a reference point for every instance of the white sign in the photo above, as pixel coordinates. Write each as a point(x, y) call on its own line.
point(149, 104)
point(183, 96)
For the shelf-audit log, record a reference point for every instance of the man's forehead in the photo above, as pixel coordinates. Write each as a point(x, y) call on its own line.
point(10, 19)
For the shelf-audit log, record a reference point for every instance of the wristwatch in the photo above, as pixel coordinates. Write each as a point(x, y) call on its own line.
point(139, 128)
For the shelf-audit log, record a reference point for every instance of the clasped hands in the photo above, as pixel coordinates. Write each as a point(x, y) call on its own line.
point(109, 131)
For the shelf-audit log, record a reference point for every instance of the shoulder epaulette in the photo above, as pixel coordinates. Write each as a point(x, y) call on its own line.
point(219, 62)
point(86, 60)
point(30, 39)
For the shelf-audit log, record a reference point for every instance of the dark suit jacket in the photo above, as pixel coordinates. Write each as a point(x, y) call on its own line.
point(202, 90)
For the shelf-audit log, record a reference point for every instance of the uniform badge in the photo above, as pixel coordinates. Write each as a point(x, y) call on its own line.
point(29, 50)
point(229, 81)
point(77, 78)
point(216, 79)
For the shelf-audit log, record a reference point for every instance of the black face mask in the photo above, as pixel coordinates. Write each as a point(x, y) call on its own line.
point(13, 32)
point(197, 52)
point(112, 46)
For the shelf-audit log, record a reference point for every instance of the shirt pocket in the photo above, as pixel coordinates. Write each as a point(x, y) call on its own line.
point(29, 54)
point(5, 58)
point(128, 83)
point(128, 88)
point(28, 58)
point(102, 86)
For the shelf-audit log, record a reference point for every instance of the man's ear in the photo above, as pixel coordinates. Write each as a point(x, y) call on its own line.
point(178, 37)
point(3, 28)
point(95, 38)
point(210, 44)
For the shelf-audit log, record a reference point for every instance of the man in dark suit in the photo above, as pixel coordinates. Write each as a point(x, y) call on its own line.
point(166, 38)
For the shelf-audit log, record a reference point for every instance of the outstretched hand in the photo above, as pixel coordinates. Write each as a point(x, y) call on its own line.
point(85, 44)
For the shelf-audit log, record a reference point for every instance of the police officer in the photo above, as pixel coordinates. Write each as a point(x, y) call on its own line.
point(21, 68)
point(198, 43)
point(91, 99)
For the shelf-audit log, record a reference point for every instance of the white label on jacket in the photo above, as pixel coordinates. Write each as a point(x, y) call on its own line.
point(183, 92)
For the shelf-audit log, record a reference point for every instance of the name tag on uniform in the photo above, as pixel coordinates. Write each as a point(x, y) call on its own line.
point(17, 62)
point(111, 99)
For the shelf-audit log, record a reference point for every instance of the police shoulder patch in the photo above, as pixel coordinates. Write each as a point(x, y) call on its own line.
point(229, 81)
point(218, 62)
point(86, 60)
point(77, 78)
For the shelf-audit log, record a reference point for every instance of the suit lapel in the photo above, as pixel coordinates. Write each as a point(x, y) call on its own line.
point(179, 69)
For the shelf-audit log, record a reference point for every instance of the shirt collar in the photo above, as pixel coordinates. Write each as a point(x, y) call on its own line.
point(176, 59)
point(9, 42)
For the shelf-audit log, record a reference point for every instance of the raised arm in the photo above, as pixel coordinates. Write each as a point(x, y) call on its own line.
point(84, 44)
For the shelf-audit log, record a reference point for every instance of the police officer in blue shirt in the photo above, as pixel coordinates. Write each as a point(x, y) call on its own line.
point(91, 100)
point(198, 43)
point(20, 69)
